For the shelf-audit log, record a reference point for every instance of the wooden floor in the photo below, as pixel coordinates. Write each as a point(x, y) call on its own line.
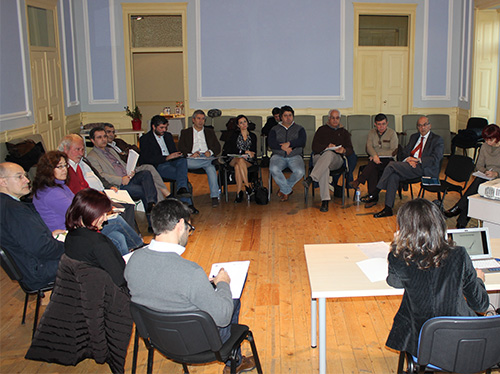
point(276, 298)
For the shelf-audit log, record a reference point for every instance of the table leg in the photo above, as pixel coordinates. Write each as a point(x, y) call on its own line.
point(322, 335)
point(313, 323)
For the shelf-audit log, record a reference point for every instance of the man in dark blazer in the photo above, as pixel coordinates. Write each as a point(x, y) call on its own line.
point(199, 144)
point(23, 234)
point(421, 157)
point(158, 149)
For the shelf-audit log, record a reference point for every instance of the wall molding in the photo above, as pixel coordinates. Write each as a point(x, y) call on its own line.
point(447, 95)
point(88, 59)
point(76, 102)
point(201, 98)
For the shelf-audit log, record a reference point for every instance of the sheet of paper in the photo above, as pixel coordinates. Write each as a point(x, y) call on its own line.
point(237, 271)
point(332, 148)
point(480, 174)
point(121, 196)
point(375, 269)
point(127, 256)
point(238, 156)
point(133, 156)
point(375, 250)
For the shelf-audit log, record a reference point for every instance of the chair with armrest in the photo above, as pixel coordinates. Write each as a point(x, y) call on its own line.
point(459, 169)
point(455, 344)
point(187, 338)
point(14, 273)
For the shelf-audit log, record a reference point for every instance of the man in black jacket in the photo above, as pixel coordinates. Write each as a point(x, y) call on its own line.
point(23, 234)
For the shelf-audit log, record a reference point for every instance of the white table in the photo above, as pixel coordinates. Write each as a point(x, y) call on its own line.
point(333, 273)
point(486, 210)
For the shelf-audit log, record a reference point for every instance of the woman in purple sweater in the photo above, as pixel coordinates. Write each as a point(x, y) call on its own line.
point(52, 198)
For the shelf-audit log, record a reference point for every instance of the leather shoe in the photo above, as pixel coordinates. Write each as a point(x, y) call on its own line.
point(215, 202)
point(247, 364)
point(307, 183)
point(183, 192)
point(354, 184)
point(386, 212)
point(370, 201)
point(280, 194)
point(284, 197)
point(453, 212)
point(239, 197)
point(193, 209)
point(324, 206)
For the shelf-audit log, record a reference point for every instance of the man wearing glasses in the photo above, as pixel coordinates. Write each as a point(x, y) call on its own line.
point(421, 157)
point(381, 146)
point(331, 141)
point(159, 278)
point(23, 234)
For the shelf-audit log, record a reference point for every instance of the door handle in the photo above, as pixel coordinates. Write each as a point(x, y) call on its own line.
point(50, 117)
point(385, 101)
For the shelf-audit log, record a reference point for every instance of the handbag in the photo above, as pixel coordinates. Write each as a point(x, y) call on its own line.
point(261, 194)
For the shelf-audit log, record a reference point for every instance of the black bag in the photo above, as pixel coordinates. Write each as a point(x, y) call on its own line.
point(261, 194)
point(466, 138)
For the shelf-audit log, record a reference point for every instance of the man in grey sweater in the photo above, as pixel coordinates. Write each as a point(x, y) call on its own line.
point(160, 279)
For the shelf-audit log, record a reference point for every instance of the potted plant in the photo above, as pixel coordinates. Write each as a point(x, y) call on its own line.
point(136, 116)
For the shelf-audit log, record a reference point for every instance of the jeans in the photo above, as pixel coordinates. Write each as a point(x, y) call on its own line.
point(177, 170)
point(206, 164)
point(121, 234)
point(279, 163)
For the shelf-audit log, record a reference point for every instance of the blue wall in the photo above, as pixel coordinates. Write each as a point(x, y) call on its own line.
point(242, 54)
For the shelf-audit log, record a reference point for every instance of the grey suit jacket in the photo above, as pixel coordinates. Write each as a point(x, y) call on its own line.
point(104, 167)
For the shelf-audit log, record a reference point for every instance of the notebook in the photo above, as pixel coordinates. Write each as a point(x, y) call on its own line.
point(477, 244)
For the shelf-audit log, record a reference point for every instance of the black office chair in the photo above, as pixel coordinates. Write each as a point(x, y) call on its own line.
point(455, 344)
point(342, 171)
point(471, 137)
point(459, 169)
point(10, 267)
point(187, 337)
point(254, 176)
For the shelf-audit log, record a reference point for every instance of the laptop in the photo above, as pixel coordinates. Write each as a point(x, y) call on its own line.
point(477, 244)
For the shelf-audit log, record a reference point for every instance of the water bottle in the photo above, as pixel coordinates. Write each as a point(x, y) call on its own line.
point(357, 196)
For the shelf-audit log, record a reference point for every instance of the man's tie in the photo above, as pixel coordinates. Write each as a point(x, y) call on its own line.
point(418, 148)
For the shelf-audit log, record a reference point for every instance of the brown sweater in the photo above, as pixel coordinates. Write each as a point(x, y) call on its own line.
point(326, 135)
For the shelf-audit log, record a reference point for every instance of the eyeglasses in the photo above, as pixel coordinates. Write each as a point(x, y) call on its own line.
point(191, 228)
point(423, 124)
point(63, 166)
point(17, 176)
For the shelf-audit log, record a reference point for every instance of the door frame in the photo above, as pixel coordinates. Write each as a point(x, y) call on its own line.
point(157, 9)
point(409, 10)
point(50, 5)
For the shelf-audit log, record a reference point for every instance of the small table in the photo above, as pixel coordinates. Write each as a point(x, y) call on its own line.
point(333, 273)
point(486, 210)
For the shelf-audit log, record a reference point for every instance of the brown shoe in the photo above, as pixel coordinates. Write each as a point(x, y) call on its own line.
point(280, 194)
point(285, 197)
point(247, 364)
point(354, 184)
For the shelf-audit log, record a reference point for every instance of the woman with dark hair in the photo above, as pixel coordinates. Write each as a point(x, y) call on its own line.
point(84, 242)
point(52, 197)
point(488, 162)
point(244, 143)
point(438, 278)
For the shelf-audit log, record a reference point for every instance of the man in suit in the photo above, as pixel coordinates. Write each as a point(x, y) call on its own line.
point(158, 149)
point(139, 185)
point(23, 234)
point(83, 175)
point(199, 144)
point(421, 157)
point(123, 148)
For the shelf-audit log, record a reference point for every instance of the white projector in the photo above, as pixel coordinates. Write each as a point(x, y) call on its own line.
point(490, 189)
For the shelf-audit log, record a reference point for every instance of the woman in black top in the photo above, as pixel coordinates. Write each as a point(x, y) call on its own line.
point(84, 242)
point(242, 142)
point(438, 278)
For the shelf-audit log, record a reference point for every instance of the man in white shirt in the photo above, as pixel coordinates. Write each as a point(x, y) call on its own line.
point(199, 144)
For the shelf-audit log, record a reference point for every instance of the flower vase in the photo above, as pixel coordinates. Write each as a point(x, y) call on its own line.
point(136, 124)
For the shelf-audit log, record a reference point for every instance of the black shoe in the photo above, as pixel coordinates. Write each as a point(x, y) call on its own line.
point(307, 183)
point(453, 212)
point(150, 207)
point(249, 190)
point(183, 192)
point(239, 197)
point(324, 206)
point(215, 202)
point(386, 212)
point(370, 201)
point(193, 209)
